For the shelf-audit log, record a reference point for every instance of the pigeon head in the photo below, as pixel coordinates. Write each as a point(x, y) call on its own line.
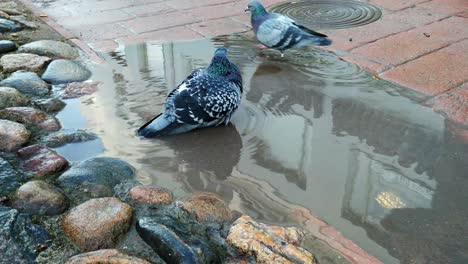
point(220, 65)
point(256, 8)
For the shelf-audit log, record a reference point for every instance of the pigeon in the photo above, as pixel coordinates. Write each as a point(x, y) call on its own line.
point(280, 32)
point(207, 97)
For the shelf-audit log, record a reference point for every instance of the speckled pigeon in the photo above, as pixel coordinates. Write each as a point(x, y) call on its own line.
point(280, 32)
point(207, 97)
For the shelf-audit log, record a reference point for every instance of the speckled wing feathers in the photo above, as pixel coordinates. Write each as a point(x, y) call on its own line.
point(203, 99)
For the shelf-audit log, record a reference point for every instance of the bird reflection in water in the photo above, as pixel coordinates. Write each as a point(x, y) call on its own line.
point(207, 158)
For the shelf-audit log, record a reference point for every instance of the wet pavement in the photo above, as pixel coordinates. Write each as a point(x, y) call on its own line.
point(313, 132)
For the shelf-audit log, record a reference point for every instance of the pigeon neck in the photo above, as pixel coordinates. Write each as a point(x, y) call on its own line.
point(258, 16)
point(219, 66)
point(258, 12)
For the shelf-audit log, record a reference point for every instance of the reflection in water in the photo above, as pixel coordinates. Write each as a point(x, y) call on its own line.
point(312, 131)
point(204, 158)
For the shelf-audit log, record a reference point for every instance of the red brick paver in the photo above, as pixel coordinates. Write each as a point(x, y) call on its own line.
point(384, 27)
point(170, 34)
point(434, 73)
point(395, 5)
point(366, 63)
point(408, 45)
point(461, 4)
point(453, 104)
point(163, 21)
point(218, 27)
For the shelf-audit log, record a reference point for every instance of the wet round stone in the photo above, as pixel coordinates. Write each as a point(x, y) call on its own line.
point(4, 15)
point(49, 105)
point(12, 135)
point(65, 71)
point(9, 178)
point(105, 256)
point(23, 61)
point(78, 89)
point(95, 177)
point(97, 223)
point(8, 5)
point(150, 195)
point(8, 26)
point(31, 116)
point(7, 46)
point(22, 20)
point(63, 139)
point(41, 161)
point(269, 244)
point(166, 243)
point(26, 82)
point(51, 48)
point(39, 198)
point(19, 237)
point(10, 97)
point(206, 207)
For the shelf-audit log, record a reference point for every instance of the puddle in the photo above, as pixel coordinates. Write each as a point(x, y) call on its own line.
point(360, 153)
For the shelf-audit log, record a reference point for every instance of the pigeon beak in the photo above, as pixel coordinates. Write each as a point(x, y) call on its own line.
point(246, 9)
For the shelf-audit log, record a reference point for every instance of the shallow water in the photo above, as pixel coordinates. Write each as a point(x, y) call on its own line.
point(313, 131)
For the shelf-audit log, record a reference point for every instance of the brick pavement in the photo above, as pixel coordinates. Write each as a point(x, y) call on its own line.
point(420, 44)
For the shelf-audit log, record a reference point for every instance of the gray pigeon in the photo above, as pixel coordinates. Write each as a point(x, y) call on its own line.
point(207, 97)
point(280, 32)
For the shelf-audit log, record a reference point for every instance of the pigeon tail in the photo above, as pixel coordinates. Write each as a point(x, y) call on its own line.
point(161, 126)
point(314, 40)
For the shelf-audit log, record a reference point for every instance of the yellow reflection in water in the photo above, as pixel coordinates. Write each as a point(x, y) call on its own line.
point(389, 200)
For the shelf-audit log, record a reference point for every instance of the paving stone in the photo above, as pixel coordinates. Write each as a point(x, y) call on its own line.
point(396, 5)
point(341, 44)
point(243, 19)
point(374, 31)
point(149, 9)
point(104, 17)
point(411, 44)
point(187, 4)
point(418, 16)
point(172, 34)
point(101, 32)
point(441, 7)
point(218, 11)
point(453, 104)
point(435, 72)
point(366, 64)
point(463, 14)
point(461, 4)
point(218, 27)
point(163, 21)
point(104, 45)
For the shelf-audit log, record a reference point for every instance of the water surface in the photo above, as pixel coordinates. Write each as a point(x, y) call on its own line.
point(313, 131)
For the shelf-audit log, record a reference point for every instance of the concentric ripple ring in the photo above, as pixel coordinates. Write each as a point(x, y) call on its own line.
point(329, 14)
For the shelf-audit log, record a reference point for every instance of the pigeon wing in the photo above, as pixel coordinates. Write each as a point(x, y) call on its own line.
point(203, 98)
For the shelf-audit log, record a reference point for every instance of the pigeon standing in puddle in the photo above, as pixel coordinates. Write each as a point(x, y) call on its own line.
point(207, 97)
point(280, 32)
